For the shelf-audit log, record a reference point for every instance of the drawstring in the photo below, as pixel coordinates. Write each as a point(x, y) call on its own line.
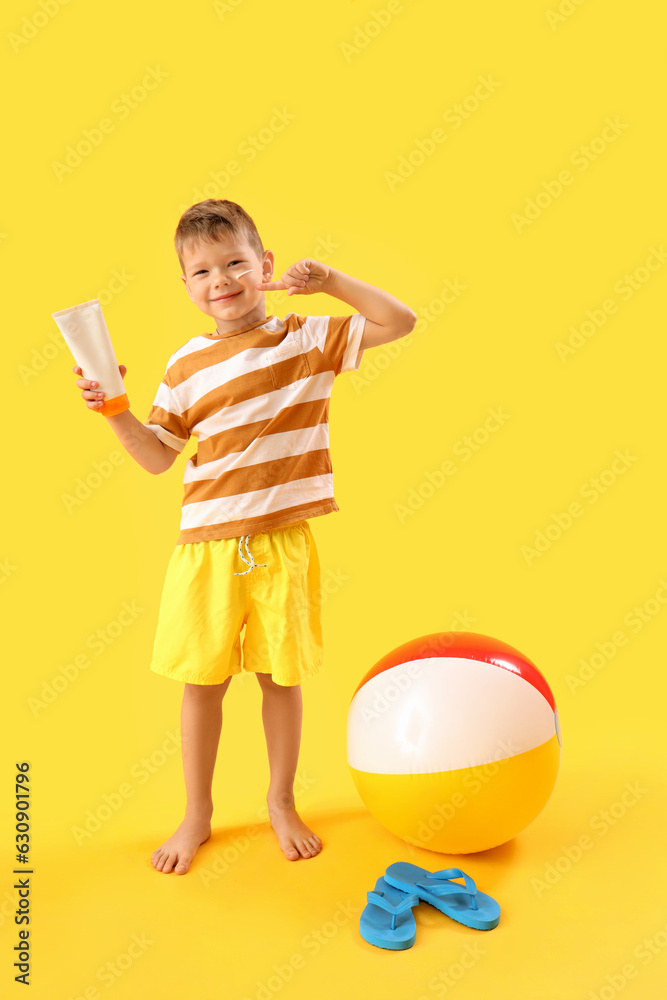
point(251, 562)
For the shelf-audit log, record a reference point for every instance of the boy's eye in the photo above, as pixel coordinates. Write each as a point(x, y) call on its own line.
point(203, 270)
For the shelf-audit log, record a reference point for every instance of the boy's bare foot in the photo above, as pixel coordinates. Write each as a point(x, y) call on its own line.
point(177, 852)
point(295, 838)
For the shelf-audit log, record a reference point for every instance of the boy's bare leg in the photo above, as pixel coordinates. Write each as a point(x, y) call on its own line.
point(281, 714)
point(201, 723)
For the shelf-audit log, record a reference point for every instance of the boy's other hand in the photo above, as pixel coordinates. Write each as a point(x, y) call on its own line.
point(90, 390)
point(303, 278)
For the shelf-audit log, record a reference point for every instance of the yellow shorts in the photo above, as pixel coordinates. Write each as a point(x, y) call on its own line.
point(205, 605)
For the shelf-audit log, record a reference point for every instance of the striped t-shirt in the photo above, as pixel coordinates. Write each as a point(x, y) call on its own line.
point(257, 400)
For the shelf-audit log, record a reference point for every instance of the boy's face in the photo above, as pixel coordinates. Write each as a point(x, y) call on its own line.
point(217, 285)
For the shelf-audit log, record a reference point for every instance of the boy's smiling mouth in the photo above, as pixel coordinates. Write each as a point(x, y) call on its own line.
point(223, 298)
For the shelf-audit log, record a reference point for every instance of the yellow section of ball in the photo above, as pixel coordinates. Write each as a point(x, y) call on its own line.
point(466, 810)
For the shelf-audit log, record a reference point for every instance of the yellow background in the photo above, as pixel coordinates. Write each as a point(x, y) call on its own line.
point(365, 85)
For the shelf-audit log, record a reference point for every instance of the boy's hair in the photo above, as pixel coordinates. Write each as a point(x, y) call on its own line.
point(207, 220)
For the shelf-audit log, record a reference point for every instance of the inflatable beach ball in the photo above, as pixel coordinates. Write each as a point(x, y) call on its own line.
point(453, 742)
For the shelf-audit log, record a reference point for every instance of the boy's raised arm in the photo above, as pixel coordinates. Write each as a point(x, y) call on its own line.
point(387, 318)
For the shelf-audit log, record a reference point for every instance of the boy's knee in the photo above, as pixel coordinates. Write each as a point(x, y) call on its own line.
point(206, 691)
point(267, 682)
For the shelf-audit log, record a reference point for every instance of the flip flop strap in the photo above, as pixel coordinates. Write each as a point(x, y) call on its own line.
point(405, 904)
point(445, 886)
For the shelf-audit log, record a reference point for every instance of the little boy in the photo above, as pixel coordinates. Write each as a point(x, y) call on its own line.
point(255, 393)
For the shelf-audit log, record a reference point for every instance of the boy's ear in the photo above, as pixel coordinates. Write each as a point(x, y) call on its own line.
point(268, 259)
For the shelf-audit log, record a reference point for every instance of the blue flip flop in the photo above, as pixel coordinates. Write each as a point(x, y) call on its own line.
point(396, 933)
point(464, 903)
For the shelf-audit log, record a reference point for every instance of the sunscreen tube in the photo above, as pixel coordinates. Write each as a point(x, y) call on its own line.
point(88, 339)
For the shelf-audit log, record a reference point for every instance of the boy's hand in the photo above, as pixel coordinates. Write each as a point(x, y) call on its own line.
point(90, 389)
point(303, 278)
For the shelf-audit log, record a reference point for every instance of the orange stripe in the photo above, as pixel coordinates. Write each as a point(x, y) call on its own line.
point(170, 421)
point(234, 439)
point(338, 326)
point(252, 525)
point(261, 476)
point(215, 351)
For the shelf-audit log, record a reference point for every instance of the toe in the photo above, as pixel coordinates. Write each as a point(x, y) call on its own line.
point(181, 867)
point(304, 849)
point(291, 853)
